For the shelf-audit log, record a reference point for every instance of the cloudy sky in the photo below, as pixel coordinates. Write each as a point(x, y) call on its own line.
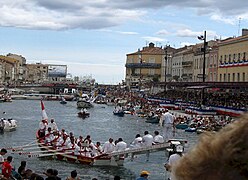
point(93, 37)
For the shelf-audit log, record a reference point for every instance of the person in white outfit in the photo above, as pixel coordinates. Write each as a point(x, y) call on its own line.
point(121, 145)
point(167, 122)
point(53, 125)
point(147, 140)
point(137, 143)
point(158, 139)
point(173, 159)
point(109, 146)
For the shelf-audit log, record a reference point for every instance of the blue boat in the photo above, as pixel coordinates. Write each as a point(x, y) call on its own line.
point(119, 113)
point(189, 129)
point(153, 120)
point(182, 126)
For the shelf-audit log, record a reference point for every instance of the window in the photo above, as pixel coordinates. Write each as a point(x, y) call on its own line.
point(244, 56)
point(224, 77)
point(228, 77)
point(233, 77)
point(151, 71)
point(152, 60)
point(238, 56)
point(238, 77)
point(244, 77)
point(234, 57)
point(225, 58)
point(229, 59)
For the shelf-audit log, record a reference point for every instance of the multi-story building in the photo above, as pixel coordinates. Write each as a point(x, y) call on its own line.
point(144, 66)
point(167, 64)
point(187, 64)
point(213, 64)
point(8, 70)
point(233, 59)
point(36, 73)
point(21, 66)
point(199, 59)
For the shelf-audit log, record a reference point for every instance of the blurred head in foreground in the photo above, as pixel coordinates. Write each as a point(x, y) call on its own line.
point(218, 155)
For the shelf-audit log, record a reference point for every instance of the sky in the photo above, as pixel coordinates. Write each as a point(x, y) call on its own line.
point(92, 37)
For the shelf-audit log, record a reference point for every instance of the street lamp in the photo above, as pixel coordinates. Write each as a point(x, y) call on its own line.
point(140, 61)
point(203, 38)
point(165, 64)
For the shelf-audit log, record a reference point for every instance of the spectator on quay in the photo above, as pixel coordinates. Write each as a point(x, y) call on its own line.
point(73, 176)
point(22, 169)
point(7, 168)
point(221, 155)
point(143, 175)
point(2, 153)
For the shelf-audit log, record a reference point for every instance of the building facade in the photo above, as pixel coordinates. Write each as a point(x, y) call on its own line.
point(144, 66)
point(233, 60)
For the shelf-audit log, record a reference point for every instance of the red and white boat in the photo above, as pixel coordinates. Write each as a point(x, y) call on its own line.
point(69, 156)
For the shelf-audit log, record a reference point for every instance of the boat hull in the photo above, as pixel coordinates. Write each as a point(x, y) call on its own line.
point(69, 156)
point(84, 104)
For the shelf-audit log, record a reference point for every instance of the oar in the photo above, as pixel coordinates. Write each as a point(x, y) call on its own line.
point(28, 147)
point(23, 146)
point(36, 152)
point(47, 155)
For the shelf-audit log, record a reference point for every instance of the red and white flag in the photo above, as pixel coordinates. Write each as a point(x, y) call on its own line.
point(44, 114)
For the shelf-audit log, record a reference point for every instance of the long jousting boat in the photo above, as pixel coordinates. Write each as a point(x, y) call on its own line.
point(69, 156)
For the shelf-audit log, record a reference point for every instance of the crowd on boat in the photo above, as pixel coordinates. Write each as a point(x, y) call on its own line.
point(50, 135)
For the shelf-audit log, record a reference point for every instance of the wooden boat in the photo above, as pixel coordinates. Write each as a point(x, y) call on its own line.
point(83, 114)
point(189, 129)
point(69, 156)
point(63, 102)
point(119, 113)
point(8, 125)
point(153, 120)
point(82, 103)
point(182, 126)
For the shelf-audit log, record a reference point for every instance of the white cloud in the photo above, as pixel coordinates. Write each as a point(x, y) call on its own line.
point(220, 18)
point(190, 33)
point(187, 33)
point(97, 14)
point(163, 32)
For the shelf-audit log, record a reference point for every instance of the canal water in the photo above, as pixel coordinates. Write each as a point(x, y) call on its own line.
point(101, 125)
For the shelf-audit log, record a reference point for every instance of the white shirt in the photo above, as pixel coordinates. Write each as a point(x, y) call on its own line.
point(53, 126)
point(147, 140)
point(137, 143)
point(108, 147)
point(167, 118)
point(158, 139)
point(77, 150)
point(120, 146)
point(1, 159)
point(173, 159)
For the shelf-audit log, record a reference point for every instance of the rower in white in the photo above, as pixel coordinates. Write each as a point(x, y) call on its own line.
point(147, 140)
point(137, 143)
point(121, 145)
point(158, 139)
point(53, 125)
point(109, 146)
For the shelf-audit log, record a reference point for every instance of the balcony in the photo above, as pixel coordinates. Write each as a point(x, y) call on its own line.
point(143, 65)
point(187, 64)
point(187, 75)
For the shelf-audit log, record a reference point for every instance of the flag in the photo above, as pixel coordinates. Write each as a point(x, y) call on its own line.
point(44, 115)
